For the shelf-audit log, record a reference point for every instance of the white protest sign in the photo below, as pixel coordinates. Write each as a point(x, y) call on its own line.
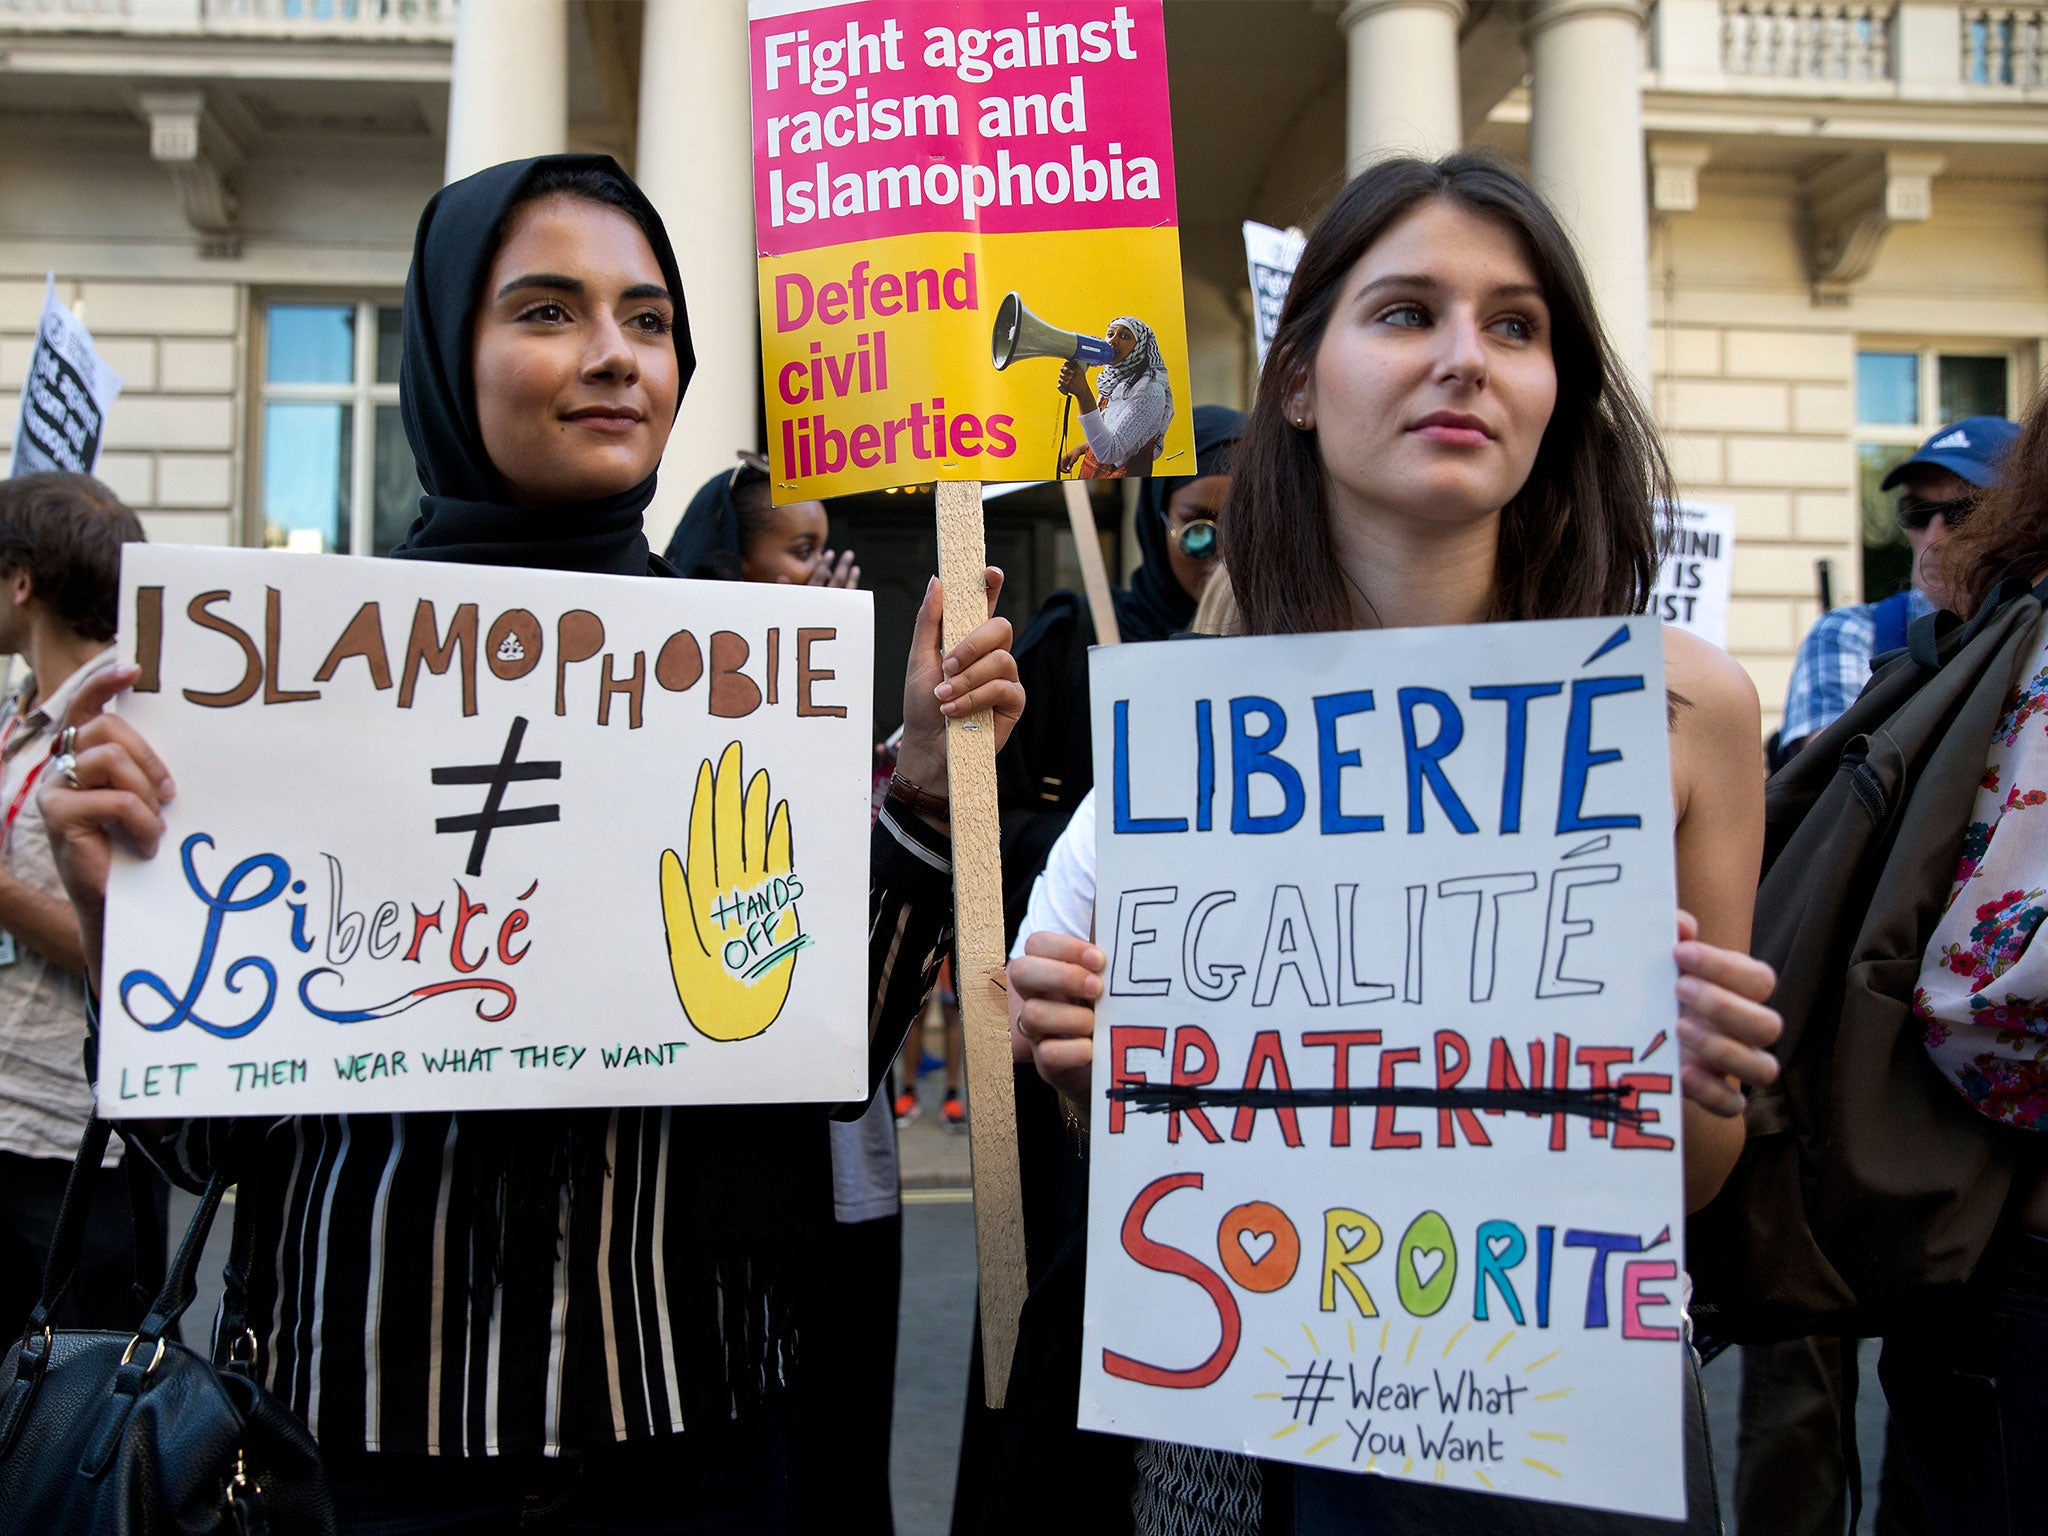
point(1696, 570)
point(65, 398)
point(1271, 255)
point(1384, 1174)
point(455, 837)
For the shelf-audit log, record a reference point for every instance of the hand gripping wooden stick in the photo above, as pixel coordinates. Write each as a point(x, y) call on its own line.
point(978, 922)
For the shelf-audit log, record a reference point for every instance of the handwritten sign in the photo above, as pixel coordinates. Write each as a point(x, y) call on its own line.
point(64, 398)
point(462, 837)
point(1271, 255)
point(1696, 570)
point(1384, 1173)
point(951, 202)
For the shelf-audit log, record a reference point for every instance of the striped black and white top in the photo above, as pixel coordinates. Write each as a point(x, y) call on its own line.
point(369, 1319)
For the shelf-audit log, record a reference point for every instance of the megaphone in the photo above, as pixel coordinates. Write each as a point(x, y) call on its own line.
point(1019, 333)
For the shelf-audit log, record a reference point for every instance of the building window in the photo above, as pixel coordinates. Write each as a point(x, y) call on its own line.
point(335, 474)
point(1902, 394)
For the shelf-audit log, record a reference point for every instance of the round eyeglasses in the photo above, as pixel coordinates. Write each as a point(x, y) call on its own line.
point(1198, 540)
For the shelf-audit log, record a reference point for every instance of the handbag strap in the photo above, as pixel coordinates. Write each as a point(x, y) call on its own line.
point(69, 1237)
point(234, 1301)
point(181, 1283)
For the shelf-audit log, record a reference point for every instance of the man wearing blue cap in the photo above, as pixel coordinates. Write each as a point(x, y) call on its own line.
point(1938, 488)
point(1799, 1397)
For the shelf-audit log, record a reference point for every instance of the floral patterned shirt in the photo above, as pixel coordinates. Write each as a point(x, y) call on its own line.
point(1983, 990)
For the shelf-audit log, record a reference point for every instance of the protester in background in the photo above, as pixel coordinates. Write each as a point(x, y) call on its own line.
point(1125, 415)
point(1443, 436)
point(1938, 487)
point(731, 532)
point(1969, 1388)
point(1799, 1397)
point(60, 584)
point(607, 1328)
point(1049, 763)
point(1047, 769)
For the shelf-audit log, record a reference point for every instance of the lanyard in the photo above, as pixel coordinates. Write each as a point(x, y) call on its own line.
point(27, 785)
point(21, 798)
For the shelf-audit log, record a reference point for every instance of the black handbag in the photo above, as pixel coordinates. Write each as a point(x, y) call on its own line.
point(118, 1434)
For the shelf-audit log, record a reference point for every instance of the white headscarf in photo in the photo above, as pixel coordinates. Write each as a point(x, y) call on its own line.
point(1144, 358)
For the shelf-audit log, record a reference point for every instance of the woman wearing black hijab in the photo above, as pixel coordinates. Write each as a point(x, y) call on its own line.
point(1049, 765)
point(488, 1316)
point(842, 1425)
point(731, 531)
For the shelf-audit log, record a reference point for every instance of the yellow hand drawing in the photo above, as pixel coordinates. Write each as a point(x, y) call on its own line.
point(730, 911)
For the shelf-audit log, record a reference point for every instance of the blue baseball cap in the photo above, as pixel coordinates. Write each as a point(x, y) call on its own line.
point(1971, 448)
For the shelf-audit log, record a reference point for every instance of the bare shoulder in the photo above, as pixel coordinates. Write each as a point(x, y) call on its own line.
point(1711, 693)
point(1717, 750)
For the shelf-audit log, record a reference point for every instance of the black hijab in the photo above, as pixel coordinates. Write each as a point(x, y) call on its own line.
point(709, 544)
point(1155, 605)
point(758, 1201)
point(465, 514)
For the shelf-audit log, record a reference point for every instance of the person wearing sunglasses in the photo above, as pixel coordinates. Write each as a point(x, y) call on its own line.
point(1790, 1473)
point(1044, 772)
point(1937, 488)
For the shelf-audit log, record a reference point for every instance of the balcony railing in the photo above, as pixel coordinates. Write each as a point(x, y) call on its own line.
point(363, 20)
point(1862, 50)
point(1799, 40)
point(2005, 45)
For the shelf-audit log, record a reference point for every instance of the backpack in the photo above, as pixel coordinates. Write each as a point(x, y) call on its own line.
point(1869, 1188)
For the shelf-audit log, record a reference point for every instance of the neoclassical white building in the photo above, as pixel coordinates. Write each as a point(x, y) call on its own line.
point(1818, 228)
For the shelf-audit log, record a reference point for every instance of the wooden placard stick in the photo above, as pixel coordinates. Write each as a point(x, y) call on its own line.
point(1094, 577)
point(979, 957)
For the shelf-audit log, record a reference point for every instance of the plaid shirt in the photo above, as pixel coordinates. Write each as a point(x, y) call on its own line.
point(1833, 665)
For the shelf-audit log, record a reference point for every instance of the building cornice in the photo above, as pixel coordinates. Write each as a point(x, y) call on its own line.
point(205, 59)
point(1862, 120)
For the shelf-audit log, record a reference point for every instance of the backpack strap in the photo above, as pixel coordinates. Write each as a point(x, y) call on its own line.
point(1892, 616)
point(1934, 637)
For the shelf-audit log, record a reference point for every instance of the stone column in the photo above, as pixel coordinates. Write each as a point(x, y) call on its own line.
point(1586, 153)
point(509, 95)
point(695, 160)
point(1401, 94)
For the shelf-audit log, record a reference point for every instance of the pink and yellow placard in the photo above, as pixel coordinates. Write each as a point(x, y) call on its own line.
point(953, 199)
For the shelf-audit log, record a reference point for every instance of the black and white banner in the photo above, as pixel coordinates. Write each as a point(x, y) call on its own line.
point(65, 398)
point(1271, 255)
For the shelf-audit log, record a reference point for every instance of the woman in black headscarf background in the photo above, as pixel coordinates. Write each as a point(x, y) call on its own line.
point(594, 1315)
point(731, 531)
point(1045, 770)
point(1049, 763)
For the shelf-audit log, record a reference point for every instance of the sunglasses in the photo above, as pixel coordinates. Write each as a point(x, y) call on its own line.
point(1916, 513)
point(1198, 540)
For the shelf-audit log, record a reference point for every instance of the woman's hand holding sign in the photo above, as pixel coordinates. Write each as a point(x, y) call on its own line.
point(1054, 986)
point(979, 673)
point(1725, 1028)
point(115, 790)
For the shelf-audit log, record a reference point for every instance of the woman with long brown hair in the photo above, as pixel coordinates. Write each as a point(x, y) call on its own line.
point(1443, 436)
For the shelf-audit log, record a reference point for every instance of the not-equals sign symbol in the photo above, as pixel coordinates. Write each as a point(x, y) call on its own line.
point(507, 770)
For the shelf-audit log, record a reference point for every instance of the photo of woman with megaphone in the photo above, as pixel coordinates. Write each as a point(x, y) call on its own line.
point(1125, 415)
